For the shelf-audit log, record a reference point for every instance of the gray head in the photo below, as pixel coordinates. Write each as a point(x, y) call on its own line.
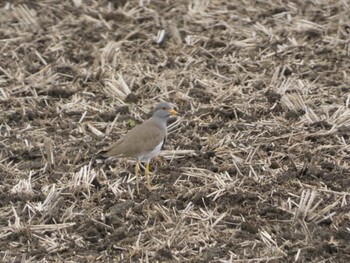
point(163, 111)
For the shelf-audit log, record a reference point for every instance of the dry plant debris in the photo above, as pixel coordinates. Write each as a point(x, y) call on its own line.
point(255, 170)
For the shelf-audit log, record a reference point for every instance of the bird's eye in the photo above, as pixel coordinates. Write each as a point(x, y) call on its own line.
point(163, 108)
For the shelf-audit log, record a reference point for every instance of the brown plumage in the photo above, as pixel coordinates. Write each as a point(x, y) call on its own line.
point(138, 141)
point(144, 141)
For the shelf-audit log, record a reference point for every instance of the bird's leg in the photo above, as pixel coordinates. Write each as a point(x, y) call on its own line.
point(137, 176)
point(147, 177)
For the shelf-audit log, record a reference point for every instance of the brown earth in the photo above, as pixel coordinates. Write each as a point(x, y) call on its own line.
point(255, 170)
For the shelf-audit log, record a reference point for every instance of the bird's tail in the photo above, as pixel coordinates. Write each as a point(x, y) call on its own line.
point(100, 157)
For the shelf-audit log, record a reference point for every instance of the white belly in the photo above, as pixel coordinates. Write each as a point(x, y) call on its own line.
point(146, 157)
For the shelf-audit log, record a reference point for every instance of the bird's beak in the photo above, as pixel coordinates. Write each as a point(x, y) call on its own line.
point(173, 112)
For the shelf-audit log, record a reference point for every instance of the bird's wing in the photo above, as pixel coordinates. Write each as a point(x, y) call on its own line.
point(141, 139)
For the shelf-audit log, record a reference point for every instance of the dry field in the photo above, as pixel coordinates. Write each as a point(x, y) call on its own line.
point(255, 170)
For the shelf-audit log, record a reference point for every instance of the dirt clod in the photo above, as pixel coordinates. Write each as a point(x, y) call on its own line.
point(254, 168)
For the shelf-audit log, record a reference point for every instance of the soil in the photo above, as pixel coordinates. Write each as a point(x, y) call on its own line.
point(255, 168)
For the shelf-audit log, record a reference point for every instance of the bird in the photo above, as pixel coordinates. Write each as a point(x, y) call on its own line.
point(143, 142)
